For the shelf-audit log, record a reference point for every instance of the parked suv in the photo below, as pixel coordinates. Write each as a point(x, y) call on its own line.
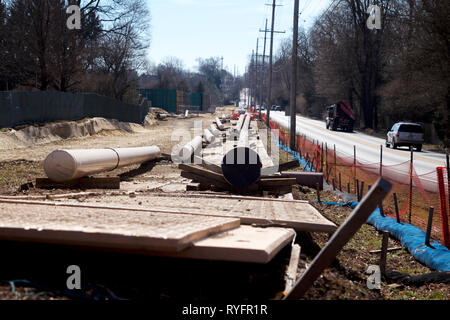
point(405, 134)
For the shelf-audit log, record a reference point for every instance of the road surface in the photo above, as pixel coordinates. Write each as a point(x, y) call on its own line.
point(367, 147)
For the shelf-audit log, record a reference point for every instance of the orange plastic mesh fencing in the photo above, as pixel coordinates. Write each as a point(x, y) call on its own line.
point(415, 193)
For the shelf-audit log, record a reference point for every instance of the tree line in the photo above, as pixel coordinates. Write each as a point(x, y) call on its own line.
point(210, 78)
point(397, 73)
point(39, 52)
point(108, 55)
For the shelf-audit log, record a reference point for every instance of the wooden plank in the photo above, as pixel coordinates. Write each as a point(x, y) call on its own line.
point(280, 167)
point(345, 232)
point(205, 180)
point(309, 179)
point(207, 165)
point(243, 244)
point(300, 216)
point(82, 183)
point(388, 250)
point(203, 172)
point(289, 165)
point(224, 196)
point(127, 230)
point(275, 182)
point(291, 272)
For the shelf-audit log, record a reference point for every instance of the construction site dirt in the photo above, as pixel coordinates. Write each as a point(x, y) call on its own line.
point(38, 271)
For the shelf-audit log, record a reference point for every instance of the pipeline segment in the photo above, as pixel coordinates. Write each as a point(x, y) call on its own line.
point(190, 148)
point(209, 137)
point(65, 165)
point(241, 166)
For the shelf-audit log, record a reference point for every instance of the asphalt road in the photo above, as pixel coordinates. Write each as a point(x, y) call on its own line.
point(367, 147)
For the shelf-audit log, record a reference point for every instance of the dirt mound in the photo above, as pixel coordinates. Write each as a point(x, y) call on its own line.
point(56, 131)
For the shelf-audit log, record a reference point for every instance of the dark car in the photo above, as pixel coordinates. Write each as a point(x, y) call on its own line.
point(405, 134)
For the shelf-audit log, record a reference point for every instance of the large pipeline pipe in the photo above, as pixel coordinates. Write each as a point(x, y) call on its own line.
point(241, 166)
point(209, 137)
point(214, 131)
point(239, 124)
point(190, 148)
point(219, 124)
point(66, 165)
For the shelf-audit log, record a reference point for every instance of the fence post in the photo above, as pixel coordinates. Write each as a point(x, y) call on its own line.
point(448, 180)
point(410, 184)
point(335, 162)
point(354, 166)
point(381, 160)
point(430, 223)
point(383, 255)
point(321, 158)
point(397, 215)
point(326, 159)
point(445, 236)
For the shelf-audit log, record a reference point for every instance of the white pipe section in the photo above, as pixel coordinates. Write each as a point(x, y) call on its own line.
point(243, 136)
point(190, 148)
point(219, 124)
point(239, 123)
point(66, 165)
point(209, 137)
point(214, 131)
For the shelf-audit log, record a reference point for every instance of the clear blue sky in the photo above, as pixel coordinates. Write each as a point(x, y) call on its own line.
point(189, 29)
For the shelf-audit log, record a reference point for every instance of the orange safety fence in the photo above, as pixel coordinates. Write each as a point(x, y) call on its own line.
point(415, 193)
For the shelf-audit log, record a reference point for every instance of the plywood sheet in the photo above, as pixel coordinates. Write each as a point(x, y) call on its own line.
point(298, 215)
point(104, 228)
point(244, 244)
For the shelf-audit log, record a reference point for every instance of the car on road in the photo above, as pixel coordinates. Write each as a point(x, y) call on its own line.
point(405, 134)
point(241, 111)
point(277, 108)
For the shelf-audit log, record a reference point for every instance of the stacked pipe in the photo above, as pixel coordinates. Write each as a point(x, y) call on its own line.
point(67, 165)
point(209, 137)
point(214, 131)
point(239, 124)
point(190, 148)
point(219, 124)
point(241, 166)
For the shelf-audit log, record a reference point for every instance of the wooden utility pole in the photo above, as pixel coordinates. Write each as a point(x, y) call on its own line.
point(269, 98)
point(293, 99)
point(251, 77)
point(261, 89)
point(256, 72)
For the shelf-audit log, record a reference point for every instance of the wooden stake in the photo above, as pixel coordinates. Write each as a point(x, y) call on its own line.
point(397, 215)
point(361, 189)
point(318, 192)
point(339, 239)
point(429, 225)
point(357, 190)
point(340, 183)
point(380, 206)
point(384, 246)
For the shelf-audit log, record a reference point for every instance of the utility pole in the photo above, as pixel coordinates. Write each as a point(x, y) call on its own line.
point(251, 77)
point(269, 98)
point(294, 77)
point(256, 72)
point(263, 71)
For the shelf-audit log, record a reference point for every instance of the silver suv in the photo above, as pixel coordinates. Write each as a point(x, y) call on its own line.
point(405, 134)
